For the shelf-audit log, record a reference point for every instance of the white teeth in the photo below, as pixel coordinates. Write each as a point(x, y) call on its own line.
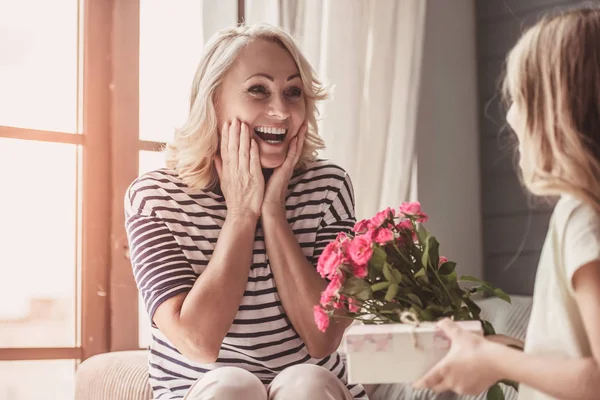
point(271, 130)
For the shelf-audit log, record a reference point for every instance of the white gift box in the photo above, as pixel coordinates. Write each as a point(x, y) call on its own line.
point(396, 353)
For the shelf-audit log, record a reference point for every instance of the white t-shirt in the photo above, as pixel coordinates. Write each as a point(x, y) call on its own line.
point(556, 327)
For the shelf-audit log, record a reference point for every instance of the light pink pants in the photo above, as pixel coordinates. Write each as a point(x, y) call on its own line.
point(300, 382)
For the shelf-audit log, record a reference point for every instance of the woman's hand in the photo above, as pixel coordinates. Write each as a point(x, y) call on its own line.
point(468, 367)
point(278, 182)
point(240, 175)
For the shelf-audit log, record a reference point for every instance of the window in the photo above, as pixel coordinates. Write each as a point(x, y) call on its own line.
point(53, 136)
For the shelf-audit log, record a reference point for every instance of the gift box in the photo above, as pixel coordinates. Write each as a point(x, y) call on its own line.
point(396, 353)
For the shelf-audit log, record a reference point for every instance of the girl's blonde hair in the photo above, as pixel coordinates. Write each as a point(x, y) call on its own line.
point(195, 144)
point(553, 79)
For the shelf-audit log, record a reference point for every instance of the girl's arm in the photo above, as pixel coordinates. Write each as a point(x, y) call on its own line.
point(473, 363)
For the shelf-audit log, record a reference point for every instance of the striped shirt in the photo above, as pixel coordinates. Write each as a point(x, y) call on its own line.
point(173, 230)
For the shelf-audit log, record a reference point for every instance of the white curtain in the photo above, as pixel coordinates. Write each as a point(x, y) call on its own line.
point(370, 51)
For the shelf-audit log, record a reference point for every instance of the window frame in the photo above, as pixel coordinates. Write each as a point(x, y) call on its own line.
point(109, 145)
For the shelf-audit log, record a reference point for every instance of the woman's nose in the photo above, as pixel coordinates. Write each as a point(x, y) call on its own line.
point(278, 108)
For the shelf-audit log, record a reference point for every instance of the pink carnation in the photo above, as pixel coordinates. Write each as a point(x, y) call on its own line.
point(360, 270)
point(362, 226)
point(381, 216)
point(321, 318)
point(407, 225)
point(361, 249)
point(383, 235)
point(443, 260)
point(329, 260)
point(332, 290)
point(341, 237)
point(413, 209)
point(352, 305)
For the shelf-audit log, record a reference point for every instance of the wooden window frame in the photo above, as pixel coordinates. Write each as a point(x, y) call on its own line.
point(94, 77)
point(108, 136)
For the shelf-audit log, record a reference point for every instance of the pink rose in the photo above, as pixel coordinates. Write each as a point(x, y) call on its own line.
point(443, 260)
point(383, 235)
point(413, 209)
point(329, 260)
point(321, 318)
point(361, 249)
point(381, 216)
point(362, 226)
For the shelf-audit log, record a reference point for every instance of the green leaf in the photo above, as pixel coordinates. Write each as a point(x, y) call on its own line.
point(425, 256)
point(501, 294)
point(378, 258)
point(488, 328)
point(495, 393)
point(357, 287)
point(434, 252)
point(468, 278)
point(462, 314)
point(487, 288)
point(431, 255)
point(422, 234)
point(391, 292)
point(397, 275)
point(415, 299)
point(422, 275)
point(387, 273)
point(447, 268)
point(379, 286)
point(475, 309)
point(512, 384)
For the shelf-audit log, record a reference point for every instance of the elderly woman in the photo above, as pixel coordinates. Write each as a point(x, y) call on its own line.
point(224, 241)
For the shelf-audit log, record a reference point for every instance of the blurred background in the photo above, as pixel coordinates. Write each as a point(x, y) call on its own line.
point(90, 90)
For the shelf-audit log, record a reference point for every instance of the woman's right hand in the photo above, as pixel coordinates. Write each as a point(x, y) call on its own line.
point(240, 174)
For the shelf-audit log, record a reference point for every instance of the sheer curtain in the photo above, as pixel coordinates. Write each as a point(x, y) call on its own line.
point(370, 51)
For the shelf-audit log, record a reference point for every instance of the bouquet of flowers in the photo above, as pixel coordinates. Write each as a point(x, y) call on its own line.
point(389, 270)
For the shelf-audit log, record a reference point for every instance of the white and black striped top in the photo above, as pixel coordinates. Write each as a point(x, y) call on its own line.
point(172, 233)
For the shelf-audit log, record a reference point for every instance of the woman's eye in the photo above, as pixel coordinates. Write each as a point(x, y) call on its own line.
point(293, 93)
point(258, 90)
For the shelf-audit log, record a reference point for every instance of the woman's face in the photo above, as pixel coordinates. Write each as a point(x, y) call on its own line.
point(263, 89)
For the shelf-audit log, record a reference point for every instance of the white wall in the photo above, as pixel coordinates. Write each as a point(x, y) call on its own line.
point(448, 183)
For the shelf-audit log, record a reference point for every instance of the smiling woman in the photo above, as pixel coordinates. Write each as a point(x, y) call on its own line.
point(224, 241)
point(260, 78)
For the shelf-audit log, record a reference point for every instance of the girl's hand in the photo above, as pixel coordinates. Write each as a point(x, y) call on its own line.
point(240, 175)
point(278, 182)
point(466, 369)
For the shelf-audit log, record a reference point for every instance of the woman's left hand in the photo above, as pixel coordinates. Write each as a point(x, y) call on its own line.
point(277, 185)
point(467, 368)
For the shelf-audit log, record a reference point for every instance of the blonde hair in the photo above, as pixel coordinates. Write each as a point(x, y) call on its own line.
point(553, 79)
point(195, 144)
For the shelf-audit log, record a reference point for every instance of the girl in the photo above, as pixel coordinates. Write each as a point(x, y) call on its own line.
point(553, 82)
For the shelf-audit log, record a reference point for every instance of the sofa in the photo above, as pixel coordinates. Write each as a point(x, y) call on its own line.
point(123, 375)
